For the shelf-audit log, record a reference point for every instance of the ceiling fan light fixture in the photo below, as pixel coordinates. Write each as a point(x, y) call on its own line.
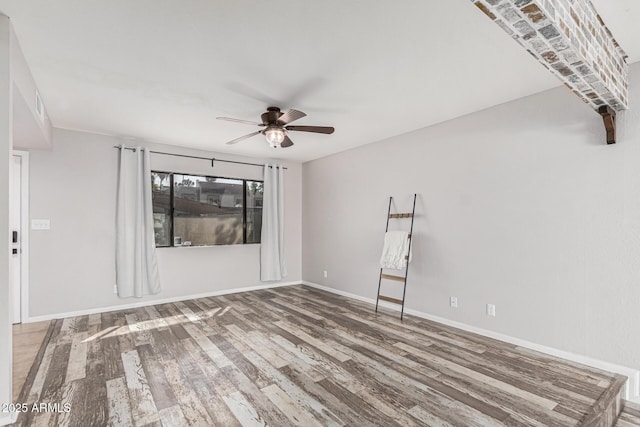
point(275, 135)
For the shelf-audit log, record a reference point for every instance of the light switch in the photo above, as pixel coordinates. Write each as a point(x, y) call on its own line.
point(40, 224)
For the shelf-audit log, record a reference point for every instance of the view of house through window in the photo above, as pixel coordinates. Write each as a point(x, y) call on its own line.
point(193, 210)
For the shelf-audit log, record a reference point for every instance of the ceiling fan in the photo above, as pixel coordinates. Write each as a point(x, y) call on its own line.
point(276, 127)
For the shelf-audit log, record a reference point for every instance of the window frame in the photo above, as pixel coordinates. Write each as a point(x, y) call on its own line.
point(172, 208)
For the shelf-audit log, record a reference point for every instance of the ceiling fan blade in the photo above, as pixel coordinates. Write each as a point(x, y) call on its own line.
point(287, 142)
point(246, 122)
point(291, 116)
point(316, 129)
point(242, 138)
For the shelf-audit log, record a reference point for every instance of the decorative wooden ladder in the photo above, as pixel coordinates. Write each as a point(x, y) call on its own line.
point(402, 279)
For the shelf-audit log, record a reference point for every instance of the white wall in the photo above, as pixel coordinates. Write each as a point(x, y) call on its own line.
point(30, 131)
point(5, 156)
point(72, 264)
point(522, 205)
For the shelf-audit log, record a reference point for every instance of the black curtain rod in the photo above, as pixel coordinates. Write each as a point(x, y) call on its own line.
point(211, 159)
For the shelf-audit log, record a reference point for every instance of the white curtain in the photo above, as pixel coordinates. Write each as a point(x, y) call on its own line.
point(272, 264)
point(136, 263)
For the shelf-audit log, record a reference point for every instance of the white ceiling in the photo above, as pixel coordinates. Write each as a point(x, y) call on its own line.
point(162, 70)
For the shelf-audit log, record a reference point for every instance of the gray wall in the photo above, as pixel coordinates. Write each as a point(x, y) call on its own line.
point(521, 205)
point(72, 264)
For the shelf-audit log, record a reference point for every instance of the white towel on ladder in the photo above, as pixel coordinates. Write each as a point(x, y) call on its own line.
point(395, 250)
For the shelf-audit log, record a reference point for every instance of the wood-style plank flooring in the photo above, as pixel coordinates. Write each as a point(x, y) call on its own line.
point(299, 356)
point(630, 416)
point(27, 338)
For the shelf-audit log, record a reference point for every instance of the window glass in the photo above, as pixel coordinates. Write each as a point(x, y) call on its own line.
point(208, 211)
point(193, 210)
point(255, 191)
point(161, 194)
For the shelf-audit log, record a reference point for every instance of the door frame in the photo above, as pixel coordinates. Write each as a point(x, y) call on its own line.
point(24, 234)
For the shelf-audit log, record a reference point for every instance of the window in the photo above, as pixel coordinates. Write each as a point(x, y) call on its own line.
point(193, 210)
point(254, 191)
point(161, 185)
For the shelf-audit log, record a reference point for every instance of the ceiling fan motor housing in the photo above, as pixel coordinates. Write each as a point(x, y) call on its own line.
point(271, 116)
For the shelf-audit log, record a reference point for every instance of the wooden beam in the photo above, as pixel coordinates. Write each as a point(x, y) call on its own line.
point(609, 117)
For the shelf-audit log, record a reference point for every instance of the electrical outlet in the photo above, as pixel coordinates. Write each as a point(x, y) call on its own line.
point(115, 289)
point(491, 310)
point(324, 273)
point(453, 302)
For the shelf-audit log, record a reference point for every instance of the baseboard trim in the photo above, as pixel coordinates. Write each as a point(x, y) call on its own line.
point(8, 418)
point(145, 303)
point(631, 390)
